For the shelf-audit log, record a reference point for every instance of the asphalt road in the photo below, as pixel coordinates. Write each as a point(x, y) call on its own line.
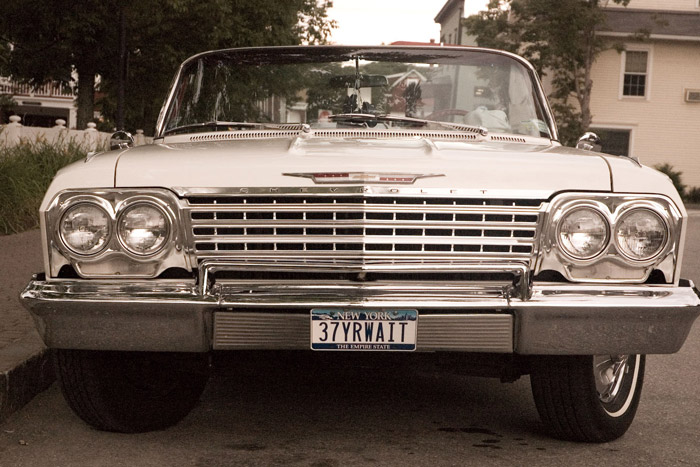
point(319, 412)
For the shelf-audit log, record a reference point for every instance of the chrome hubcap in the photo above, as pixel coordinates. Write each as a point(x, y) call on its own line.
point(609, 371)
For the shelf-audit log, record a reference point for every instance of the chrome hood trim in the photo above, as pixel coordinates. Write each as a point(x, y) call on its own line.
point(393, 178)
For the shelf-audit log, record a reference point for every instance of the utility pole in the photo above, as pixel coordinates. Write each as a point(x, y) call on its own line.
point(122, 69)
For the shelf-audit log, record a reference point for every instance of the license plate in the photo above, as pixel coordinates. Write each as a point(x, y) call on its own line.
point(358, 330)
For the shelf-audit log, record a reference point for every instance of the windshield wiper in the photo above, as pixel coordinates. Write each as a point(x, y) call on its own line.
point(215, 125)
point(370, 119)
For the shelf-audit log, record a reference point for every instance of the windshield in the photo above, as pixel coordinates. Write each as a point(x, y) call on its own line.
point(340, 87)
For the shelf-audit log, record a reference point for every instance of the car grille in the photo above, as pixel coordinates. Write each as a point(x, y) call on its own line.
point(341, 226)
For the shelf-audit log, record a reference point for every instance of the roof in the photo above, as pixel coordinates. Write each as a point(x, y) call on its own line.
point(431, 43)
point(661, 24)
point(446, 8)
point(398, 77)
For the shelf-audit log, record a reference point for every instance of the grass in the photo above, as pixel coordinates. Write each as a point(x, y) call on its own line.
point(26, 170)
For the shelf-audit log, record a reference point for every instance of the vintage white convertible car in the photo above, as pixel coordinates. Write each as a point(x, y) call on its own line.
point(360, 199)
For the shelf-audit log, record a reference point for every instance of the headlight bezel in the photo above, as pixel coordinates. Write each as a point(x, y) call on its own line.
point(579, 207)
point(610, 265)
point(133, 203)
point(115, 261)
point(95, 202)
point(667, 233)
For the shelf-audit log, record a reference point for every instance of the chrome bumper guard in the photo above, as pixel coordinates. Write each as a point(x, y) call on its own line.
point(177, 315)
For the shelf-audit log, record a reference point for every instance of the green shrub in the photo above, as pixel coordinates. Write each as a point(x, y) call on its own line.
point(692, 195)
point(26, 170)
point(674, 175)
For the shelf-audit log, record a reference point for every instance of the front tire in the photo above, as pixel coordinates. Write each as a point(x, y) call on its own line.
point(587, 398)
point(131, 392)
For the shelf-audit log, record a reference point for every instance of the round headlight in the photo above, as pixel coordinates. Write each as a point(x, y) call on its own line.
point(143, 229)
point(641, 234)
point(583, 233)
point(85, 228)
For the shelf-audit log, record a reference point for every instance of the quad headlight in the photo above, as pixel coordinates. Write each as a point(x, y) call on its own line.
point(124, 233)
point(610, 237)
point(85, 228)
point(640, 234)
point(583, 233)
point(143, 229)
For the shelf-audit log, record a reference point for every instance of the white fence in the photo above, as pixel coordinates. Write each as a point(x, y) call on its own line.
point(15, 133)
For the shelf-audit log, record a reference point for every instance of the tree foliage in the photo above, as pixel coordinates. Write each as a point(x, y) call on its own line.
point(53, 40)
point(674, 175)
point(559, 37)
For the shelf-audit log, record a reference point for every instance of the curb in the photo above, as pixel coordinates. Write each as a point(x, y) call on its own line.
point(28, 378)
point(25, 367)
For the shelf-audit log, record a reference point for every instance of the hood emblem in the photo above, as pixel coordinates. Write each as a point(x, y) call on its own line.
point(370, 177)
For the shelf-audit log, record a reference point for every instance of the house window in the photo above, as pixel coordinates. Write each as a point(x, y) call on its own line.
point(635, 79)
point(614, 141)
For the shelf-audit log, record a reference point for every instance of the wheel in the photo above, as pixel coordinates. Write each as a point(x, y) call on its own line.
point(131, 392)
point(587, 398)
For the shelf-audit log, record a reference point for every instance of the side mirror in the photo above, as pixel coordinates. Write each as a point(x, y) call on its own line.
point(121, 140)
point(589, 142)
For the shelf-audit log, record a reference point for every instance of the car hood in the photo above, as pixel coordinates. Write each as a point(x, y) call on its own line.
point(489, 168)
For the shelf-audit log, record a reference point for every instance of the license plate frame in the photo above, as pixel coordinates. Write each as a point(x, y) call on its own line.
point(352, 329)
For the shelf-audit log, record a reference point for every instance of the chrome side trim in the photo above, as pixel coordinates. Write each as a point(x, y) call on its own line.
point(463, 333)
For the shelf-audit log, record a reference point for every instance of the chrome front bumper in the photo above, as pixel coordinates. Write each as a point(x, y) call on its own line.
point(174, 315)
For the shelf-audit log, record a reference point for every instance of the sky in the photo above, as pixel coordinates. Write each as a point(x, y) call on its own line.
point(373, 22)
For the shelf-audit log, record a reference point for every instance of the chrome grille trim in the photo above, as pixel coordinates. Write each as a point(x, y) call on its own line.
point(307, 292)
point(467, 332)
point(353, 224)
point(445, 295)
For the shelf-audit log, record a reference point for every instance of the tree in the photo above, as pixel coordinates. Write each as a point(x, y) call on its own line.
point(54, 39)
point(6, 101)
point(559, 37)
point(51, 41)
point(159, 40)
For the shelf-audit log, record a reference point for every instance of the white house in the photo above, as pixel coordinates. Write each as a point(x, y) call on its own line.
point(41, 106)
point(452, 32)
point(646, 100)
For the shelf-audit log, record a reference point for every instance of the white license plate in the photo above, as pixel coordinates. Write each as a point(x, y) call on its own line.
point(357, 330)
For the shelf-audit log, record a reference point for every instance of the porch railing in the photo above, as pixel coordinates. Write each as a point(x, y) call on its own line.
point(50, 89)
